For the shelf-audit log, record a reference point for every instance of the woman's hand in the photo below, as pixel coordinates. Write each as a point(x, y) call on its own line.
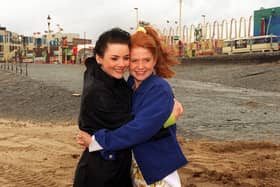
point(178, 109)
point(84, 139)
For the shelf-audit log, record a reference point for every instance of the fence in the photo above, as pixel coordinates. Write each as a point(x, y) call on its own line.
point(16, 67)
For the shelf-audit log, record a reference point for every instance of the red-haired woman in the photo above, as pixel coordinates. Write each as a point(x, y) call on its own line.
point(156, 151)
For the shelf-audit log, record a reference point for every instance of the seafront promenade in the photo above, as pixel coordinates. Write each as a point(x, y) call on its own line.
point(229, 131)
point(222, 101)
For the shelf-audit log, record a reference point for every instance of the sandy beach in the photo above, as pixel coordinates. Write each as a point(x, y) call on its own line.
point(46, 155)
point(38, 127)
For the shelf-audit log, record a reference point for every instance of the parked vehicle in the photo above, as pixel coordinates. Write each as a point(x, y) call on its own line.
point(252, 44)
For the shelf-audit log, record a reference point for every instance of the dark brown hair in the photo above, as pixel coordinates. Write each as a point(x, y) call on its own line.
point(113, 36)
point(163, 55)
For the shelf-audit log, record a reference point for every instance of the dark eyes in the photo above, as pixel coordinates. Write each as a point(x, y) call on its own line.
point(147, 60)
point(124, 58)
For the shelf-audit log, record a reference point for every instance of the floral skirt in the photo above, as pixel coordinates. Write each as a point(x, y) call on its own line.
point(138, 179)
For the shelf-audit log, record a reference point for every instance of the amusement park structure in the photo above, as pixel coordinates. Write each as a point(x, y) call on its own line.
point(227, 37)
point(49, 47)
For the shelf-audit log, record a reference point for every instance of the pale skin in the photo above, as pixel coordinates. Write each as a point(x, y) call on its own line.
point(141, 66)
point(115, 60)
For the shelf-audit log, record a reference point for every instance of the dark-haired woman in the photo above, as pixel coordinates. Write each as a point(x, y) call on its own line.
point(105, 103)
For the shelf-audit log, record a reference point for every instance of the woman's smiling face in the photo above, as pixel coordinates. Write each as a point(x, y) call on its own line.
point(142, 63)
point(115, 60)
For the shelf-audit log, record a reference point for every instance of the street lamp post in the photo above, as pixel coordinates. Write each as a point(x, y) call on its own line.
point(168, 24)
point(48, 38)
point(180, 17)
point(203, 18)
point(84, 47)
point(203, 27)
point(131, 29)
point(137, 21)
point(20, 57)
point(60, 43)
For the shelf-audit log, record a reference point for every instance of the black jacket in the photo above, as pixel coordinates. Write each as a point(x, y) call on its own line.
point(106, 101)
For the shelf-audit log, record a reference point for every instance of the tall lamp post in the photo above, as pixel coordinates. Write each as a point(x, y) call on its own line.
point(60, 43)
point(48, 38)
point(20, 38)
point(84, 59)
point(131, 29)
point(178, 30)
point(203, 27)
point(203, 18)
point(180, 18)
point(137, 21)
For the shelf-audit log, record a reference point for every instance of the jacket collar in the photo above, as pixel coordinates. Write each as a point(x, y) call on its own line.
point(143, 86)
point(101, 75)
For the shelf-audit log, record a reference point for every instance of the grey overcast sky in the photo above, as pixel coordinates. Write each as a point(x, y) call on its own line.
point(95, 16)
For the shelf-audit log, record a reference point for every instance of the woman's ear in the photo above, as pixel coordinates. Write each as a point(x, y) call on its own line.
point(98, 59)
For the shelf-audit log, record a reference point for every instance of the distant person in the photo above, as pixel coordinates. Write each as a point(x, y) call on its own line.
point(157, 154)
point(106, 103)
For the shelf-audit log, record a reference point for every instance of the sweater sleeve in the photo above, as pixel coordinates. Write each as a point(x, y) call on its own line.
point(149, 119)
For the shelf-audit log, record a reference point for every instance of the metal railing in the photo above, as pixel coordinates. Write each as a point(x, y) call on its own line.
point(20, 68)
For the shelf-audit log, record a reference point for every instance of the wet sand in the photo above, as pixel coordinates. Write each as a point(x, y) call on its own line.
point(38, 128)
